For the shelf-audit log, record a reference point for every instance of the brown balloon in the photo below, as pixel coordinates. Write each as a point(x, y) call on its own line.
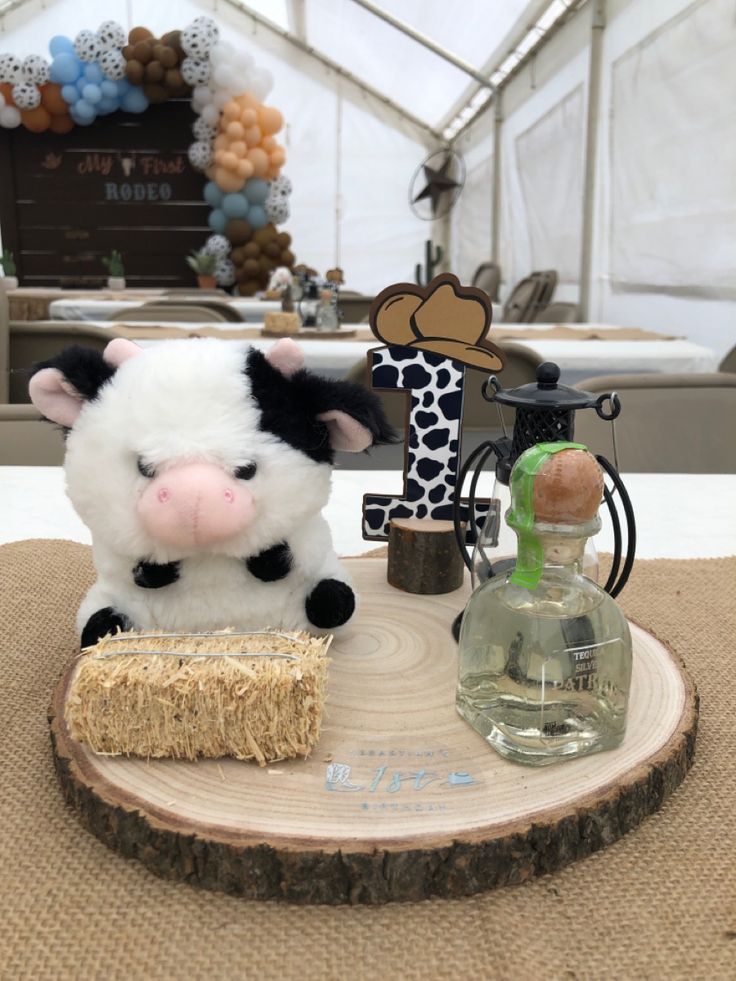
point(266, 263)
point(283, 240)
point(173, 80)
point(128, 51)
point(265, 235)
point(249, 288)
point(287, 258)
point(172, 39)
point(273, 250)
point(251, 268)
point(143, 52)
point(238, 231)
point(154, 71)
point(251, 250)
point(237, 255)
point(155, 92)
point(134, 71)
point(139, 34)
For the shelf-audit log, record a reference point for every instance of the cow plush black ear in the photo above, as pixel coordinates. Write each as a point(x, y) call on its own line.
point(60, 386)
point(314, 414)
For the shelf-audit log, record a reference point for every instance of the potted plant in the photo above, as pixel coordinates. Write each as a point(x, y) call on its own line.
point(204, 266)
point(9, 279)
point(116, 272)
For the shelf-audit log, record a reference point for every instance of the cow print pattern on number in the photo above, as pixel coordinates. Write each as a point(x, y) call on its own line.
point(435, 384)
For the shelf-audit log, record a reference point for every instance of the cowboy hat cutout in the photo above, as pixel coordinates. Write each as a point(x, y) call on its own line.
point(442, 317)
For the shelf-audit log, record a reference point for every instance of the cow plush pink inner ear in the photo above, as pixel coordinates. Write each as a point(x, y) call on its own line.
point(120, 350)
point(286, 356)
point(345, 432)
point(55, 397)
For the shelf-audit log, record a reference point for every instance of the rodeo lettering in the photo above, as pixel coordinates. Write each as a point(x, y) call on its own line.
point(137, 191)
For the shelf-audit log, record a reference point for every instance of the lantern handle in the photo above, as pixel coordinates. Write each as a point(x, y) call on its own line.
point(614, 403)
point(615, 588)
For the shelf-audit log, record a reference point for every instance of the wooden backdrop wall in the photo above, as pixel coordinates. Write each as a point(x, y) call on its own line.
point(122, 183)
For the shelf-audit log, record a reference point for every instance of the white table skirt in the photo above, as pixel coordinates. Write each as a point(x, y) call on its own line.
point(577, 359)
point(251, 310)
point(672, 519)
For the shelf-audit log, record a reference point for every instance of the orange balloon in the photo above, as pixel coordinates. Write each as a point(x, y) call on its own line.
point(231, 110)
point(248, 117)
point(235, 130)
point(36, 120)
point(227, 181)
point(228, 160)
point(268, 143)
point(222, 142)
point(244, 169)
point(61, 124)
point(246, 101)
point(260, 161)
point(219, 156)
point(51, 99)
point(270, 119)
point(7, 92)
point(238, 148)
point(253, 135)
point(277, 157)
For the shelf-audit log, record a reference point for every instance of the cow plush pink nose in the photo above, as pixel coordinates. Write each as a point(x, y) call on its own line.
point(195, 504)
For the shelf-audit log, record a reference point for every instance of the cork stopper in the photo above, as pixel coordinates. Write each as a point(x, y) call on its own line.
point(568, 488)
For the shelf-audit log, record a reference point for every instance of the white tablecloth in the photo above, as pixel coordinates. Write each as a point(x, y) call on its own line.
point(577, 359)
point(678, 516)
point(100, 309)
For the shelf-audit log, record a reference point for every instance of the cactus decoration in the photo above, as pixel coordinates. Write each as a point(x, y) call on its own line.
point(431, 263)
point(114, 265)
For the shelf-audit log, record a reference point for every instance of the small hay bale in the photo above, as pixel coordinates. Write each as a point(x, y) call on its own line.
point(257, 696)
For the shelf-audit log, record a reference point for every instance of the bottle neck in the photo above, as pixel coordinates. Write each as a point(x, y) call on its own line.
point(563, 556)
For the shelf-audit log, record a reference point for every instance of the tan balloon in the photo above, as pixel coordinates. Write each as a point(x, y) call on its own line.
point(260, 161)
point(253, 136)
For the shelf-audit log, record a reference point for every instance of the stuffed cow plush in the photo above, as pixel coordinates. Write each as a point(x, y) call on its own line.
point(201, 470)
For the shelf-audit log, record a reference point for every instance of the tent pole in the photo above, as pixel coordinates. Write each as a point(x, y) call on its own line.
point(426, 42)
point(598, 24)
point(4, 345)
point(338, 178)
point(496, 188)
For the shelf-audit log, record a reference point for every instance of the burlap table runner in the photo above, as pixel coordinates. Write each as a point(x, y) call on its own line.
point(658, 904)
point(557, 333)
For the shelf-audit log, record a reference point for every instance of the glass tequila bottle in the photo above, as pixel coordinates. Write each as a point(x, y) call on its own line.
point(545, 653)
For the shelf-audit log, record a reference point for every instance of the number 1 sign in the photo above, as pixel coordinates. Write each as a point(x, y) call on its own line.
point(432, 334)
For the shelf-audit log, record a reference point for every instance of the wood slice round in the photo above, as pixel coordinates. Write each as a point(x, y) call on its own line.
point(401, 799)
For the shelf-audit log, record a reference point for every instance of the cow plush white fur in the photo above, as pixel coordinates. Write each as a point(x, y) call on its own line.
point(192, 402)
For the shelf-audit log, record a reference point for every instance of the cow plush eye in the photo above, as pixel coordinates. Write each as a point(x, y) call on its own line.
point(247, 472)
point(145, 469)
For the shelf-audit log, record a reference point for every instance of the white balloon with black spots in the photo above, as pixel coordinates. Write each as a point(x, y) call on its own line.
point(196, 41)
point(36, 69)
point(281, 186)
point(204, 130)
point(200, 154)
point(224, 272)
point(217, 245)
point(110, 34)
point(207, 25)
point(11, 68)
point(26, 95)
point(277, 211)
point(86, 46)
point(112, 64)
point(195, 71)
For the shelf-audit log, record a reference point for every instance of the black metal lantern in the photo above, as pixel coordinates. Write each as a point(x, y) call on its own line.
point(545, 412)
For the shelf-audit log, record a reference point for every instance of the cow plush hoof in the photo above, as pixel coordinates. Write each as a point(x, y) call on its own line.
point(330, 604)
point(103, 622)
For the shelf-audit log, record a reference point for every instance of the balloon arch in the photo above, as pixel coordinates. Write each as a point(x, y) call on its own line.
point(98, 73)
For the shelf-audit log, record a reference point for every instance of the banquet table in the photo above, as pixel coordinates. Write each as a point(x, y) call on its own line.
point(101, 308)
point(671, 521)
point(577, 359)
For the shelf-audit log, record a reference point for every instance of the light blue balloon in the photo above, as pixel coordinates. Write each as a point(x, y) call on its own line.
point(81, 82)
point(235, 206)
point(212, 194)
point(109, 89)
point(65, 67)
point(93, 73)
point(92, 93)
point(59, 43)
point(69, 93)
point(105, 106)
point(123, 86)
point(217, 220)
point(85, 110)
point(256, 190)
point(135, 100)
point(257, 216)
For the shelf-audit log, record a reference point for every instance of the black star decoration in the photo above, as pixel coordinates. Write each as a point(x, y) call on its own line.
point(438, 183)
